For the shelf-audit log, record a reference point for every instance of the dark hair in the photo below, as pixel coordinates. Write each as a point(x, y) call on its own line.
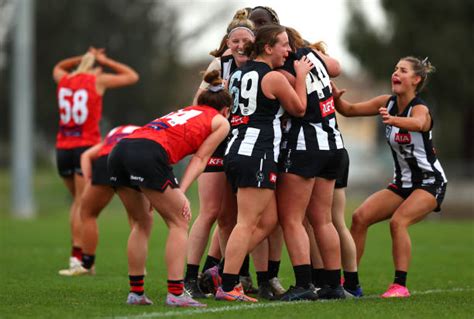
point(267, 34)
point(216, 96)
point(270, 11)
point(421, 68)
point(295, 38)
point(221, 49)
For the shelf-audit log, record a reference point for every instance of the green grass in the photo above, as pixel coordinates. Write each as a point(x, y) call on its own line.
point(441, 276)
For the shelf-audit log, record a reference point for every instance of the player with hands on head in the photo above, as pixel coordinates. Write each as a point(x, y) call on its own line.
point(81, 86)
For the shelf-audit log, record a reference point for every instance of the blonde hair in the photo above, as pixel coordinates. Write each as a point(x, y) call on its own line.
point(240, 20)
point(320, 46)
point(421, 68)
point(87, 62)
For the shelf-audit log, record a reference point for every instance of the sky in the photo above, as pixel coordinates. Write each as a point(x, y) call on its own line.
point(316, 20)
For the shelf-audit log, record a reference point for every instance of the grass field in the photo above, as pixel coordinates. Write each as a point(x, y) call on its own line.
point(441, 278)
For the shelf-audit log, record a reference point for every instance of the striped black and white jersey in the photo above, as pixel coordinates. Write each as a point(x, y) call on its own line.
point(317, 129)
point(414, 157)
point(228, 66)
point(255, 119)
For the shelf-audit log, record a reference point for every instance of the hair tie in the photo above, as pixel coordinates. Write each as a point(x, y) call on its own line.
point(216, 88)
point(425, 61)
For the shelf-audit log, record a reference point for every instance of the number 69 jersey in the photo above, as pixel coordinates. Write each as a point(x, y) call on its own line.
point(180, 133)
point(255, 119)
point(413, 152)
point(80, 110)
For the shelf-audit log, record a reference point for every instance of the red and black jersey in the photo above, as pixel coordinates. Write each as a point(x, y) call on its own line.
point(80, 110)
point(114, 136)
point(180, 133)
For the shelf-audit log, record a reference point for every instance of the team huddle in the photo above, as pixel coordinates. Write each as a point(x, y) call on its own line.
point(270, 164)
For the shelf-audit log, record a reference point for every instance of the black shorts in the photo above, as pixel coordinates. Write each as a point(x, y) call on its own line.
point(245, 171)
point(309, 164)
point(140, 163)
point(341, 181)
point(438, 190)
point(216, 161)
point(69, 161)
point(100, 174)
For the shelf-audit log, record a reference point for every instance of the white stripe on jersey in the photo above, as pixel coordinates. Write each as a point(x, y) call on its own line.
point(301, 143)
point(437, 165)
point(226, 69)
point(248, 143)
point(261, 170)
point(390, 105)
point(322, 136)
point(235, 133)
point(277, 134)
point(337, 134)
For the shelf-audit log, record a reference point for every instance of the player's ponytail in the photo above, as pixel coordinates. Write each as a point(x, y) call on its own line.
point(421, 68)
point(216, 95)
point(87, 62)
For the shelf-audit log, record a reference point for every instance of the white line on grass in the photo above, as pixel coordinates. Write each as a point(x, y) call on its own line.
point(252, 306)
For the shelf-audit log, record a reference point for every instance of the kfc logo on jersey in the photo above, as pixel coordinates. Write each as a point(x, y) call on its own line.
point(237, 120)
point(215, 161)
point(273, 178)
point(403, 138)
point(327, 107)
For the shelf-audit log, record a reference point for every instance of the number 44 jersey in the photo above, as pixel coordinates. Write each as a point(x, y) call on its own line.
point(413, 152)
point(80, 110)
point(180, 133)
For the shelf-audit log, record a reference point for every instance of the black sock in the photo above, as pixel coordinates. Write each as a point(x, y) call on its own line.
point(351, 280)
point(229, 281)
point(302, 275)
point(262, 278)
point(210, 262)
point(88, 261)
point(221, 266)
point(244, 270)
point(191, 272)
point(333, 277)
point(400, 278)
point(318, 277)
point(273, 268)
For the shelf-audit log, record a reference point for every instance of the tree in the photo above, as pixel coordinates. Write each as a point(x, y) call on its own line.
point(441, 30)
point(143, 34)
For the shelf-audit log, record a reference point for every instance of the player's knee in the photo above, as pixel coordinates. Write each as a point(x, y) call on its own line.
point(358, 219)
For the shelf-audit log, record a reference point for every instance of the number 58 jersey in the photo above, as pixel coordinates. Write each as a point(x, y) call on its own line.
point(255, 119)
point(80, 110)
point(413, 153)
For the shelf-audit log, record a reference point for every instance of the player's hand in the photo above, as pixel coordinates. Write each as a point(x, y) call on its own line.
point(386, 117)
point(303, 65)
point(186, 211)
point(336, 92)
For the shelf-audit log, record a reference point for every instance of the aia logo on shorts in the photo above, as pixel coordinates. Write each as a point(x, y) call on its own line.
point(327, 107)
point(403, 138)
point(273, 177)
